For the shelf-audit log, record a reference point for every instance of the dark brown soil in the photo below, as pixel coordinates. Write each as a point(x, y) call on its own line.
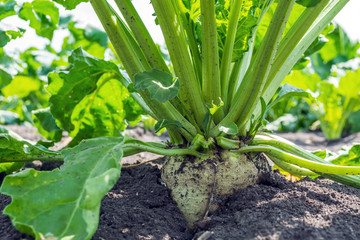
point(139, 207)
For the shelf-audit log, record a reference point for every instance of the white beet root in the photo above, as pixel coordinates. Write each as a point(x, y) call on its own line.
point(199, 187)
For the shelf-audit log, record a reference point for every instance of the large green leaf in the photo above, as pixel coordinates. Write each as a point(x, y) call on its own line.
point(43, 16)
point(65, 203)
point(161, 85)
point(88, 100)
point(14, 148)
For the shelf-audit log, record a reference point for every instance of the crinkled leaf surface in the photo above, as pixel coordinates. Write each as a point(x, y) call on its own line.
point(43, 16)
point(161, 85)
point(348, 157)
point(13, 147)
point(65, 202)
point(88, 101)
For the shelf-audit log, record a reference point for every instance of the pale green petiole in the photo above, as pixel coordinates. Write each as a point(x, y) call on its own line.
point(143, 147)
point(290, 147)
point(302, 162)
point(293, 169)
point(211, 88)
point(252, 85)
point(228, 49)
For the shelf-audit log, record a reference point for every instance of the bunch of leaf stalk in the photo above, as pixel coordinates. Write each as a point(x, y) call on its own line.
point(218, 99)
point(211, 99)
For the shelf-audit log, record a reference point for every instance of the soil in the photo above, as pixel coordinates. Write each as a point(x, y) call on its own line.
point(139, 207)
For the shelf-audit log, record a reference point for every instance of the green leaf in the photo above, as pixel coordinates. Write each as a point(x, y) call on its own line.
point(88, 101)
point(7, 9)
point(43, 16)
point(161, 85)
point(287, 91)
point(213, 108)
point(232, 129)
point(46, 125)
point(323, 154)
point(14, 148)
point(308, 3)
point(349, 157)
point(70, 4)
point(21, 86)
point(164, 123)
point(72, 211)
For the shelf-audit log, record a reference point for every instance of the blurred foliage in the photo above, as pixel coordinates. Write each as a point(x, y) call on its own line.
point(333, 79)
point(24, 92)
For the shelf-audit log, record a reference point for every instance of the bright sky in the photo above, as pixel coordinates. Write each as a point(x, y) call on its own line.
point(348, 18)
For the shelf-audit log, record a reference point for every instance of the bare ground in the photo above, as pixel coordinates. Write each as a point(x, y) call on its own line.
point(140, 207)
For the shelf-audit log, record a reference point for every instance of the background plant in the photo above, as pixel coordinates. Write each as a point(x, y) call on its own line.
point(227, 61)
point(332, 79)
point(330, 104)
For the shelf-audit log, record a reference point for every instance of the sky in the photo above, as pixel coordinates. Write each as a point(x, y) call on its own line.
point(348, 18)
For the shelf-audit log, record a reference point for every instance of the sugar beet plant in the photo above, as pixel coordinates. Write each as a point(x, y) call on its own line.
point(228, 58)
